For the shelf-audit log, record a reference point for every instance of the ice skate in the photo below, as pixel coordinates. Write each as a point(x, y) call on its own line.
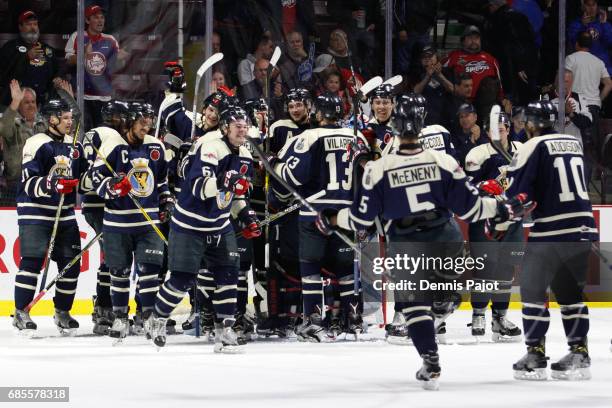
point(137, 326)
point(440, 328)
point(478, 325)
point(533, 365)
point(244, 328)
point(311, 330)
point(171, 326)
point(158, 331)
point(335, 328)
point(226, 340)
point(147, 323)
point(429, 374)
point(574, 366)
point(23, 323)
point(354, 325)
point(66, 325)
point(103, 320)
point(272, 326)
point(120, 328)
point(397, 331)
point(503, 330)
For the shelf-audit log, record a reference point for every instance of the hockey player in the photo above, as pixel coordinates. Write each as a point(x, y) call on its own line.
point(113, 116)
point(140, 171)
point(214, 189)
point(414, 192)
point(52, 165)
point(549, 168)
point(381, 100)
point(487, 169)
point(298, 103)
point(314, 161)
point(434, 137)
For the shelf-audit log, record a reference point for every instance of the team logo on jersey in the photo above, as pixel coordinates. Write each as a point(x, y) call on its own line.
point(476, 67)
point(95, 63)
point(61, 168)
point(243, 169)
point(141, 177)
point(224, 199)
point(74, 153)
point(503, 181)
point(299, 145)
point(154, 155)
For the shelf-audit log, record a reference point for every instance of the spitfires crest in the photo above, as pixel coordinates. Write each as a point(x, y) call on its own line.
point(61, 168)
point(141, 177)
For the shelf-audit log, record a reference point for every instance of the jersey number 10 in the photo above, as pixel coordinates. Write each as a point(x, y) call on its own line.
point(577, 171)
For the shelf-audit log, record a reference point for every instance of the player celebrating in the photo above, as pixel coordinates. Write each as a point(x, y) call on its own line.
point(487, 167)
point(113, 116)
point(414, 191)
point(52, 165)
point(139, 161)
point(314, 161)
point(381, 100)
point(214, 187)
point(549, 167)
point(297, 104)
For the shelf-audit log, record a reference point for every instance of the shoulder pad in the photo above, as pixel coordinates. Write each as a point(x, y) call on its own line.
point(288, 123)
point(434, 129)
point(32, 145)
point(477, 156)
point(447, 163)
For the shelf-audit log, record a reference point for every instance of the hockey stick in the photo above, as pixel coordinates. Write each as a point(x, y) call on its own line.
point(58, 214)
point(212, 60)
point(61, 273)
point(495, 137)
point(269, 220)
point(394, 81)
point(136, 203)
point(167, 101)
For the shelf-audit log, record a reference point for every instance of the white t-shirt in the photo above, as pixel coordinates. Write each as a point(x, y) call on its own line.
point(588, 72)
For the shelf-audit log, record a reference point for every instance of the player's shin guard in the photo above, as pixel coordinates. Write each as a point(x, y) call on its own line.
point(312, 288)
point(103, 286)
point(65, 288)
point(172, 292)
point(26, 280)
point(575, 322)
point(224, 296)
point(149, 284)
point(242, 296)
point(120, 289)
point(348, 300)
point(421, 328)
point(536, 320)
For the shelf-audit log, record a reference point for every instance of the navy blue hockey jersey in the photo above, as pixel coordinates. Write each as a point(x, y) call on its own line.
point(42, 156)
point(484, 163)
point(178, 121)
point(433, 137)
point(401, 185)
point(550, 169)
point(318, 160)
point(145, 167)
point(384, 133)
point(201, 207)
point(283, 130)
point(91, 201)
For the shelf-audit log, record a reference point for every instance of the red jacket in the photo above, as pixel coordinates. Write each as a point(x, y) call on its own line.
point(479, 66)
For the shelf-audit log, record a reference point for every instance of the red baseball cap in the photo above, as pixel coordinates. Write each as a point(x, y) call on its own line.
point(91, 10)
point(27, 15)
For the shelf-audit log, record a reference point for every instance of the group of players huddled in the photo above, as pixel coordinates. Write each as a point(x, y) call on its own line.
point(186, 211)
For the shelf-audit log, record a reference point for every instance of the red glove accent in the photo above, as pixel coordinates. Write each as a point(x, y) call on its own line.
point(370, 136)
point(491, 187)
point(236, 183)
point(121, 187)
point(253, 230)
point(66, 186)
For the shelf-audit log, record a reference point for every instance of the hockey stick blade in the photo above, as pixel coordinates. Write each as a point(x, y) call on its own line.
point(275, 56)
point(210, 61)
point(495, 137)
point(394, 81)
point(370, 85)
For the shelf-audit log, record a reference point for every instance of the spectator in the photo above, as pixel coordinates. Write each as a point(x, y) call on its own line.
point(510, 39)
point(27, 60)
point(294, 67)
point(594, 21)
point(472, 60)
point(517, 130)
point(218, 81)
point(359, 18)
point(589, 72)
point(433, 86)
point(577, 115)
point(469, 134)
point(462, 95)
point(17, 124)
point(101, 54)
point(412, 19)
point(263, 50)
point(531, 9)
point(338, 49)
point(257, 87)
point(332, 82)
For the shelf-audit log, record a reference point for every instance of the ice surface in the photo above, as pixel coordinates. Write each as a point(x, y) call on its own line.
point(275, 373)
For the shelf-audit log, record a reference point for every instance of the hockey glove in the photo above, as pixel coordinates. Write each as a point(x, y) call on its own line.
point(166, 208)
point(176, 76)
point(234, 182)
point(324, 221)
point(358, 152)
point(249, 223)
point(513, 209)
point(60, 185)
point(490, 188)
point(119, 186)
